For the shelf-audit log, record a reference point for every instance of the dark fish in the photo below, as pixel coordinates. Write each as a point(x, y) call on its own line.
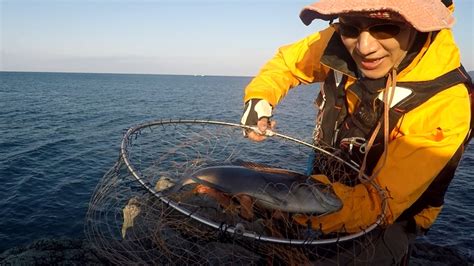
point(272, 188)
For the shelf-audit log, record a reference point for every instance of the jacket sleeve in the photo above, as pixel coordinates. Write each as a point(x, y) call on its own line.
point(294, 64)
point(423, 146)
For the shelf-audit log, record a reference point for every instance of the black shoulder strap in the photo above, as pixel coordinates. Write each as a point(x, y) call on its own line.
point(434, 194)
point(421, 92)
point(424, 90)
point(471, 97)
point(332, 106)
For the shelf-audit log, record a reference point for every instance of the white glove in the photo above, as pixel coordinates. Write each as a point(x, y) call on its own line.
point(257, 113)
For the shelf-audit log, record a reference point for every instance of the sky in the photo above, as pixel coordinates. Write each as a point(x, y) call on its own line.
point(212, 37)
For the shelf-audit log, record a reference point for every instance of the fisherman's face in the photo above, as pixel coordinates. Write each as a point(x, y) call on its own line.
point(375, 50)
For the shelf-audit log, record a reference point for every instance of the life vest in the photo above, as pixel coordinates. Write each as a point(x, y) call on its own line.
point(346, 134)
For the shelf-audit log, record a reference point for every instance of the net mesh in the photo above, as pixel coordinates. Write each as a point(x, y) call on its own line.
point(136, 215)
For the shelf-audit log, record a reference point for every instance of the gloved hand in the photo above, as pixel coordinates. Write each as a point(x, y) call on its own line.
point(361, 207)
point(257, 113)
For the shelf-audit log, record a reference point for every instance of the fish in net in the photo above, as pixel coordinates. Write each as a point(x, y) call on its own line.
point(195, 191)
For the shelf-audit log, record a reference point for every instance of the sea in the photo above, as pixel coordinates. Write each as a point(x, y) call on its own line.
point(61, 132)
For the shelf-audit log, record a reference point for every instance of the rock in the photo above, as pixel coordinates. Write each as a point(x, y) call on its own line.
point(434, 255)
point(52, 252)
point(79, 252)
point(164, 183)
point(130, 212)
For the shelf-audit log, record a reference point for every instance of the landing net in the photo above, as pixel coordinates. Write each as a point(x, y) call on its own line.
point(133, 218)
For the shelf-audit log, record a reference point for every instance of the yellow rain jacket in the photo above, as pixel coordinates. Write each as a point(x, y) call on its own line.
point(420, 146)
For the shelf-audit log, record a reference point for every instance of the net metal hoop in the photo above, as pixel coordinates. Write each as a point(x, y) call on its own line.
point(218, 226)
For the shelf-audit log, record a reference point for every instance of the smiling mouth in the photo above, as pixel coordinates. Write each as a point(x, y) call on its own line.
point(371, 64)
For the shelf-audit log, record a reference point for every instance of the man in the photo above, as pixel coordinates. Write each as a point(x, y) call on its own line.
point(395, 100)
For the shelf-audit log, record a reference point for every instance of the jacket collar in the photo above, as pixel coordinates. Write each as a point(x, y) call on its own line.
point(337, 57)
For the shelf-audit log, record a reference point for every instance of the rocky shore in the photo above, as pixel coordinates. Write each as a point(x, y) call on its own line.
point(79, 252)
point(52, 252)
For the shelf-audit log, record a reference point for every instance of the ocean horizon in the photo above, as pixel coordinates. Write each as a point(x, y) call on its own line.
point(123, 73)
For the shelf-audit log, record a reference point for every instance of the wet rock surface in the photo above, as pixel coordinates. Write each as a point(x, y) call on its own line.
point(433, 255)
point(52, 252)
point(79, 252)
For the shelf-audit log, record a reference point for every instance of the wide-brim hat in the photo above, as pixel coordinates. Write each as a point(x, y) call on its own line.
point(423, 15)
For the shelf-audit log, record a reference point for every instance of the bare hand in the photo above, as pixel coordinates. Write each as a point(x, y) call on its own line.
point(262, 126)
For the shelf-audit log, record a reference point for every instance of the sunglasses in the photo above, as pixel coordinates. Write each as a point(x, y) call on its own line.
point(378, 31)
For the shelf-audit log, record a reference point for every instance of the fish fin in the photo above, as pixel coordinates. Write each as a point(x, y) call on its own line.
point(248, 164)
point(269, 169)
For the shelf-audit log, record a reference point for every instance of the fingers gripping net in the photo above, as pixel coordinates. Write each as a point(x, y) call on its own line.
point(139, 213)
